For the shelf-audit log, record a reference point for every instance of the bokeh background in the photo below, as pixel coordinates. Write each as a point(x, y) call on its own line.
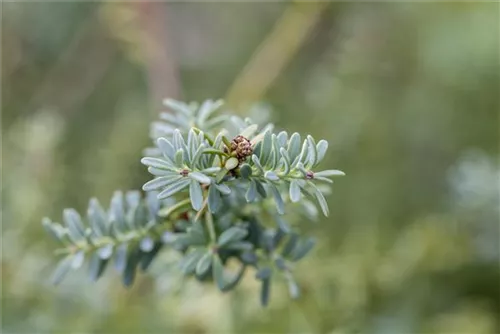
point(406, 94)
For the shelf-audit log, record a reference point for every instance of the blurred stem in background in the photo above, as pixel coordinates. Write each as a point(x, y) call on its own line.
point(143, 29)
point(162, 70)
point(274, 53)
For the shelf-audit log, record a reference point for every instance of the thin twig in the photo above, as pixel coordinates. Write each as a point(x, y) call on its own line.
point(274, 53)
point(211, 228)
point(198, 215)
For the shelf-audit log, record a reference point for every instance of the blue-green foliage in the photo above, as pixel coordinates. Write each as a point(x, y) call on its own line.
point(220, 185)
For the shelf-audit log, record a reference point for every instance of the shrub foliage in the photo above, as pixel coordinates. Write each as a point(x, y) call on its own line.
point(219, 189)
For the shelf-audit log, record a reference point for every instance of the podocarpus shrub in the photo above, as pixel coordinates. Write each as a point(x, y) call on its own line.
point(220, 185)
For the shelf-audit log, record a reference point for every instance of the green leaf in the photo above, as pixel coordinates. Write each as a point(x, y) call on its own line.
point(134, 219)
point(62, 269)
point(249, 258)
point(159, 172)
point(260, 188)
point(153, 204)
point(159, 129)
point(207, 108)
point(158, 163)
point(147, 258)
point(322, 179)
point(226, 141)
point(251, 193)
point(130, 268)
point(78, 260)
point(276, 152)
point(97, 218)
point(197, 234)
point(140, 217)
point(232, 234)
point(170, 118)
point(167, 210)
point(117, 211)
point(239, 245)
point(97, 267)
point(321, 200)
point(265, 291)
point(309, 209)
point(195, 160)
point(263, 273)
point(286, 161)
point(303, 154)
point(224, 189)
point(200, 177)
point(196, 195)
point(290, 245)
point(233, 281)
point(211, 170)
point(280, 205)
point(257, 146)
point(294, 146)
point(218, 140)
point(214, 199)
point(133, 198)
point(216, 122)
point(174, 188)
point(231, 163)
point(280, 263)
point(146, 244)
point(204, 137)
point(190, 261)
point(161, 182)
point(257, 164)
point(301, 168)
point(295, 192)
point(220, 175)
point(312, 153)
point(249, 131)
point(245, 171)
point(271, 176)
point(179, 157)
point(166, 148)
point(178, 141)
point(293, 287)
point(121, 257)
point(204, 264)
point(177, 106)
point(218, 272)
point(302, 249)
point(266, 148)
point(321, 148)
point(74, 224)
point(192, 143)
point(330, 172)
point(282, 138)
point(105, 251)
point(283, 226)
point(214, 151)
point(52, 229)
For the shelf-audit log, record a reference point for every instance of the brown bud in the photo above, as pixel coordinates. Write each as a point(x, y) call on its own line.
point(242, 147)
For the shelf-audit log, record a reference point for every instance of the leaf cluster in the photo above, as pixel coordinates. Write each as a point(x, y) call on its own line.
point(220, 185)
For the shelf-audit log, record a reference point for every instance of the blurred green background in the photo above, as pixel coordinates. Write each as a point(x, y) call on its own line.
point(406, 94)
